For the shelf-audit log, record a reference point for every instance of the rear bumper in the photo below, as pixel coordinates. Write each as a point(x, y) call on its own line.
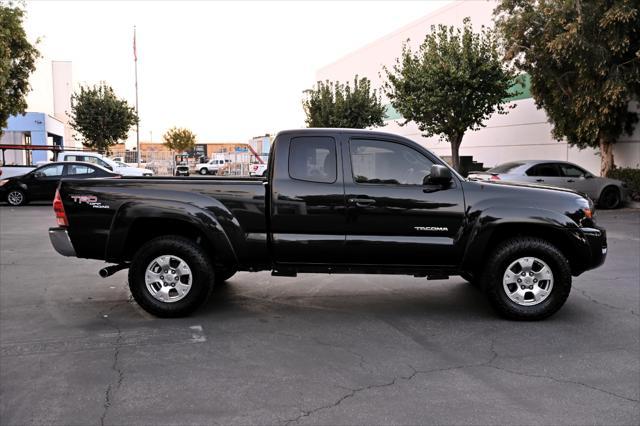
point(597, 240)
point(60, 241)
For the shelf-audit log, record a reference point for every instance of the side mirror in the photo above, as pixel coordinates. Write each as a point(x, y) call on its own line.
point(38, 175)
point(439, 175)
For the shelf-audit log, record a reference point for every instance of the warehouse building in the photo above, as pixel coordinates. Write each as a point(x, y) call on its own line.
point(524, 133)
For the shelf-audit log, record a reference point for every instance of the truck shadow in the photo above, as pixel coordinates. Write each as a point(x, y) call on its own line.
point(455, 300)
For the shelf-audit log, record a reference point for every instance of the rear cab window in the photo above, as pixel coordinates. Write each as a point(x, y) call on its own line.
point(313, 159)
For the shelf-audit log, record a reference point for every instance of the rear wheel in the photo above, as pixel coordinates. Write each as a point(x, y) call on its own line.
point(609, 198)
point(527, 279)
point(16, 197)
point(170, 276)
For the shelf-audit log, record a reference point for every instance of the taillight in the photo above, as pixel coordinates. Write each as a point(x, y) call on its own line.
point(58, 207)
point(494, 177)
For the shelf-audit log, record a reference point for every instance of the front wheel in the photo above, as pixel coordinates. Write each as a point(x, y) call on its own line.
point(170, 276)
point(16, 197)
point(527, 279)
point(204, 171)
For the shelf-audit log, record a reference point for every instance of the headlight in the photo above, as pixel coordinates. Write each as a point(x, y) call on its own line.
point(3, 181)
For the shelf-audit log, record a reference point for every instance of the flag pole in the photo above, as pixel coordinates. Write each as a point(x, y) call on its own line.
point(135, 60)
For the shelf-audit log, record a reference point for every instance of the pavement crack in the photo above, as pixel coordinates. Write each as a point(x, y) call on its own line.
point(353, 392)
point(606, 305)
point(566, 381)
point(112, 388)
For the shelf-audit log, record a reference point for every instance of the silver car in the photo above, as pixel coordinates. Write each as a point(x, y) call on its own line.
point(607, 193)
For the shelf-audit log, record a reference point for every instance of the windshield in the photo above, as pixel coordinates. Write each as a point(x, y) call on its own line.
point(505, 168)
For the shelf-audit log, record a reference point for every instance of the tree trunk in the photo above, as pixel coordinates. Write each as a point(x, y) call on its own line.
point(606, 156)
point(456, 141)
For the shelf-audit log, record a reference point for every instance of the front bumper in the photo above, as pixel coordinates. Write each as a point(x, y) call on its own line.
point(597, 241)
point(60, 241)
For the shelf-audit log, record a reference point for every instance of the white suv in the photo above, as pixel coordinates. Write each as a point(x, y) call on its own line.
point(210, 167)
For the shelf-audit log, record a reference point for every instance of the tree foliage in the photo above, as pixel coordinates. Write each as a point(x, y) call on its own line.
point(452, 83)
point(584, 62)
point(179, 139)
point(333, 104)
point(17, 62)
point(100, 117)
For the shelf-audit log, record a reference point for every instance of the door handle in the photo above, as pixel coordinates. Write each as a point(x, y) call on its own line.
point(362, 202)
point(571, 180)
point(539, 180)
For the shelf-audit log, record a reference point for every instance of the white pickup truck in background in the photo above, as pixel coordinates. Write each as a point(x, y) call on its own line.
point(89, 157)
point(95, 158)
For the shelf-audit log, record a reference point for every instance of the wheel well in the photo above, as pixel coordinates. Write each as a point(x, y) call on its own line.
point(607, 188)
point(143, 230)
point(558, 239)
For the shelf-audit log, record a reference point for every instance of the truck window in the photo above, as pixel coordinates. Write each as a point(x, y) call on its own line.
point(313, 158)
point(381, 162)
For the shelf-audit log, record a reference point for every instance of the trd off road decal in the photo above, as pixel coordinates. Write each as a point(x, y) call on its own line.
point(90, 200)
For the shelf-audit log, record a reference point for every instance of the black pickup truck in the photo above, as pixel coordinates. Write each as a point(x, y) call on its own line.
point(333, 201)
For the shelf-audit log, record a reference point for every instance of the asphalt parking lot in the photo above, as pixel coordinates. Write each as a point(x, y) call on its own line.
point(317, 349)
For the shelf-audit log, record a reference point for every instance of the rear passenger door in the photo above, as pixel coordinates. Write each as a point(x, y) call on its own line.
point(545, 174)
point(308, 207)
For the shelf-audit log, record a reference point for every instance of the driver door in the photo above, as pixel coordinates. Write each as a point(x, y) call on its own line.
point(44, 182)
point(393, 218)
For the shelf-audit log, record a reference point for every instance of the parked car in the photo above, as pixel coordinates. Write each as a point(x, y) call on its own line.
point(109, 164)
point(258, 169)
point(41, 183)
point(181, 170)
point(211, 167)
point(607, 193)
point(335, 201)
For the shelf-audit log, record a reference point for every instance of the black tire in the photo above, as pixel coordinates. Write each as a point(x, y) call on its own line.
point(609, 198)
point(222, 275)
point(16, 197)
point(189, 252)
point(204, 171)
point(508, 252)
point(264, 174)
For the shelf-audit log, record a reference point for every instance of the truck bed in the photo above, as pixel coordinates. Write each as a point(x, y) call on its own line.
point(105, 215)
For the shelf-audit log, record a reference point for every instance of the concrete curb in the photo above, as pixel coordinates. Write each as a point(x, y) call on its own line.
point(633, 205)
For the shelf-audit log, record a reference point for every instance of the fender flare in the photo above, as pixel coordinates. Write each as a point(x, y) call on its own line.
point(205, 221)
point(485, 224)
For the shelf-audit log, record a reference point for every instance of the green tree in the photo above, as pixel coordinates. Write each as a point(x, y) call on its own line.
point(584, 62)
point(100, 117)
point(451, 84)
point(17, 62)
point(179, 139)
point(333, 104)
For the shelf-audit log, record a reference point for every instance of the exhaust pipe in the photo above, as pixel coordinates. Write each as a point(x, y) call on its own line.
point(110, 270)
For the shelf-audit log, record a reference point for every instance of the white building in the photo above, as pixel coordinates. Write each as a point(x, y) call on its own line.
point(46, 121)
point(524, 133)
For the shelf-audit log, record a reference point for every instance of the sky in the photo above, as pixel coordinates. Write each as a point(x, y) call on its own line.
point(226, 70)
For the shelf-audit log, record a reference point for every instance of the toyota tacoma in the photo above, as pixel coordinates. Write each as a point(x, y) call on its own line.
point(334, 201)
